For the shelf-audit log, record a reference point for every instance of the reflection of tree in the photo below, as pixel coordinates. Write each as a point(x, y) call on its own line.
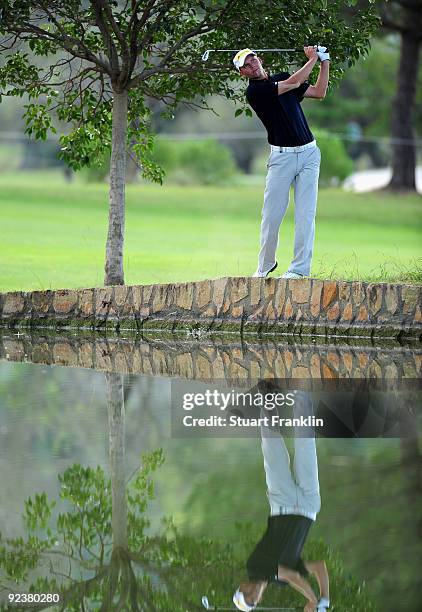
point(116, 427)
point(83, 549)
point(74, 553)
point(138, 392)
point(97, 553)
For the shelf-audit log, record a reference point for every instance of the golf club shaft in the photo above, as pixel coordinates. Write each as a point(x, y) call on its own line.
point(206, 54)
point(260, 50)
point(208, 606)
point(268, 608)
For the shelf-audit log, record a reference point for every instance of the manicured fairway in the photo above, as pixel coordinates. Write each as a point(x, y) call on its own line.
point(52, 234)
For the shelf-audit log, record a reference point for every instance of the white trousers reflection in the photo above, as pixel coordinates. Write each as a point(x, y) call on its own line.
point(292, 491)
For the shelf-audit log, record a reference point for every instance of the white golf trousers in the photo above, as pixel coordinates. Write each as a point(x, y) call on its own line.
point(297, 491)
point(285, 169)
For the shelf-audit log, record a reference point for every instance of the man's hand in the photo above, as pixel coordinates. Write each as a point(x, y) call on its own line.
point(310, 605)
point(322, 53)
point(311, 52)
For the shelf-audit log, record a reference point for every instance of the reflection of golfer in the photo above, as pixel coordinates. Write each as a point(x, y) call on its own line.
point(294, 503)
point(294, 158)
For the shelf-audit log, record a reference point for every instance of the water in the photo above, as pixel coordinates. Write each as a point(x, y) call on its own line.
point(56, 421)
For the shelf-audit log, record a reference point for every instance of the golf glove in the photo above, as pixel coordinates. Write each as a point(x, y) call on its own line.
point(323, 604)
point(322, 53)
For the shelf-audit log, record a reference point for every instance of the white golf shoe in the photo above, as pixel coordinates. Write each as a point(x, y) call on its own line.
point(259, 274)
point(292, 275)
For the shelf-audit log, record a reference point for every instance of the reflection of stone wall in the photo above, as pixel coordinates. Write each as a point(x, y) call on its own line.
point(215, 359)
point(300, 307)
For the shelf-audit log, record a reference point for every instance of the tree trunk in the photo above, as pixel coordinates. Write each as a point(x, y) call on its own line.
point(404, 154)
point(116, 219)
point(116, 426)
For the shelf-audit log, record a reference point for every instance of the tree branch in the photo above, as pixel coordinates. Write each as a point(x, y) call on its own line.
point(191, 34)
point(223, 12)
point(64, 41)
point(65, 37)
point(173, 70)
point(134, 28)
point(120, 37)
point(61, 65)
point(157, 21)
point(203, 27)
point(107, 38)
point(145, 14)
point(9, 42)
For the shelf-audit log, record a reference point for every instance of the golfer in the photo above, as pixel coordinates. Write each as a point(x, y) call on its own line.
point(294, 501)
point(294, 157)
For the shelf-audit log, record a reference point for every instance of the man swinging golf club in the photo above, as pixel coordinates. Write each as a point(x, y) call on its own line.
point(294, 157)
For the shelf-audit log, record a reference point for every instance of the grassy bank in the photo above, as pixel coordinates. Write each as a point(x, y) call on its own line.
point(52, 233)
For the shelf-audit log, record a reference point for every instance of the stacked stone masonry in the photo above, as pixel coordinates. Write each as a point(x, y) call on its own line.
point(298, 307)
point(219, 358)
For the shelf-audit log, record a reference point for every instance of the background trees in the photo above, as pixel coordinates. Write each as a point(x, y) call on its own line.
point(405, 18)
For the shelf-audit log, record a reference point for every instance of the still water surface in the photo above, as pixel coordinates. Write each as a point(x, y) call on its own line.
point(56, 422)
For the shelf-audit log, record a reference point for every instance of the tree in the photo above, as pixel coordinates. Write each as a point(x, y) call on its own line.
point(404, 17)
point(107, 57)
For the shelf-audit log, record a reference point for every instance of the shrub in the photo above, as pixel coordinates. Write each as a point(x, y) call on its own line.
point(336, 165)
point(204, 162)
point(198, 162)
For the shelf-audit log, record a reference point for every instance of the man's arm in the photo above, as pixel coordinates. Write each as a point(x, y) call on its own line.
point(299, 583)
point(303, 73)
point(319, 570)
point(287, 85)
point(320, 88)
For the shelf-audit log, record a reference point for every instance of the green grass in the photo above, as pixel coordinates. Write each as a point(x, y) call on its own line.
point(52, 234)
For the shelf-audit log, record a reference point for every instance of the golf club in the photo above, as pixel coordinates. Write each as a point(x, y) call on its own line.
point(208, 606)
point(206, 54)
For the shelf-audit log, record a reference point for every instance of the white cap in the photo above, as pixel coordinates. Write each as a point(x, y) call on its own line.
point(239, 58)
point(239, 600)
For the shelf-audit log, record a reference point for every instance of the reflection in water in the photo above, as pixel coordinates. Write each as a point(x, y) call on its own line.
point(116, 427)
point(294, 500)
point(217, 357)
point(96, 546)
point(96, 553)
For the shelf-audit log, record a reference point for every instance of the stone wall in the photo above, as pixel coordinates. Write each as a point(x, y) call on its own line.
point(218, 358)
point(299, 307)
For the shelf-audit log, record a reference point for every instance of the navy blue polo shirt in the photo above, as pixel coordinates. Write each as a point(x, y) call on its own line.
point(282, 115)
